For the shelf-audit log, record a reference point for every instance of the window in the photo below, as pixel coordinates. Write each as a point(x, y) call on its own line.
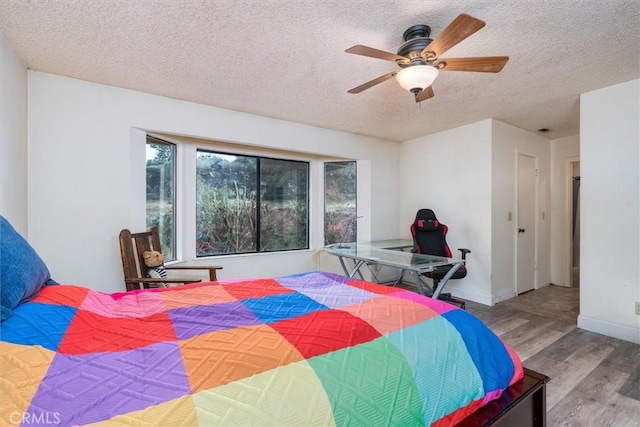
point(340, 221)
point(247, 204)
point(161, 206)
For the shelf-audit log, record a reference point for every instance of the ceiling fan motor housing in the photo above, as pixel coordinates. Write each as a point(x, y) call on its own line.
point(416, 39)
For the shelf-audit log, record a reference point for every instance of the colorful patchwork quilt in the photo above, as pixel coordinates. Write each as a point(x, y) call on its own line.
point(302, 350)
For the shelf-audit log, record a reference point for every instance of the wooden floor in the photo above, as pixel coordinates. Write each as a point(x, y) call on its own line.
point(595, 379)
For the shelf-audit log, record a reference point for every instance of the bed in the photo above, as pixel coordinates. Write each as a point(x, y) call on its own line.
point(300, 350)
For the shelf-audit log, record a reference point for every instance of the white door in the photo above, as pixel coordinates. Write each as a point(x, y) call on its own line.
point(526, 233)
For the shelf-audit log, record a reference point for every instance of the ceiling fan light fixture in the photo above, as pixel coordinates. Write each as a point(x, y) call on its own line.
point(417, 77)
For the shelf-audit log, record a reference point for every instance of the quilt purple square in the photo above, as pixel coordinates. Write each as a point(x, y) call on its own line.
point(328, 289)
point(201, 319)
point(99, 386)
point(336, 295)
point(317, 280)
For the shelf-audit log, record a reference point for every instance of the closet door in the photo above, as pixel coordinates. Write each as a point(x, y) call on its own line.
point(526, 226)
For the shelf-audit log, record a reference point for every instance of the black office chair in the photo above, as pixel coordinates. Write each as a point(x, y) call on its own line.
point(429, 237)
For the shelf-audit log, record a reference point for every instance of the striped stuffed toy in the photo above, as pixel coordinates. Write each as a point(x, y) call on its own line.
point(154, 261)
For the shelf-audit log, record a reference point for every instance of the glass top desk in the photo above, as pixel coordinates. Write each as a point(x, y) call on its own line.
point(373, 255)
point(399, 244)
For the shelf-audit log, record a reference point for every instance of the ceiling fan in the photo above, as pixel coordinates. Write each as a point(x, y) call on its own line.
point(420, 61)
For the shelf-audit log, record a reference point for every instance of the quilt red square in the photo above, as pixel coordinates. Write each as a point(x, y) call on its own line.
point(373, 288)
point(89, 332)
point(70, 295)
point(258, 288)
point(324, 331)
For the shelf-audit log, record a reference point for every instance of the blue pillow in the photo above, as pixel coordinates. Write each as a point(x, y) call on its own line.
point(22, 271)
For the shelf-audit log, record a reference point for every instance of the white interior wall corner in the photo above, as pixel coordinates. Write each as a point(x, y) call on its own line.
point(13, 139)
point(364, 232)
point(450, 172)
point(610, 209)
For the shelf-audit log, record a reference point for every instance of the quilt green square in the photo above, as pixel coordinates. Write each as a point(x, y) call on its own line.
point(385, 395)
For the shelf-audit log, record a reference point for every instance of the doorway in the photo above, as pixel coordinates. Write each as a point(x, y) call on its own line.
point(527, 197)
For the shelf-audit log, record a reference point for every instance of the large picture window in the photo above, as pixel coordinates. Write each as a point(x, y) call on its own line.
point(248, 204)
point(161, 173)
point(340, 209)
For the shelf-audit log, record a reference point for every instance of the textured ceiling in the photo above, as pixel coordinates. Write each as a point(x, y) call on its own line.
point(286, 59)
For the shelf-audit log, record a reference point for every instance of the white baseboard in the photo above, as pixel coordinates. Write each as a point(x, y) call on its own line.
point(471, 296)
point(622, 332)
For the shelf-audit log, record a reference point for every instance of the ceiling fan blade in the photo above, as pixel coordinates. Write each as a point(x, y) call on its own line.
point(376, 53)
point(373, 82)
point(487, 64)
point(461, 28)
point(425, 94)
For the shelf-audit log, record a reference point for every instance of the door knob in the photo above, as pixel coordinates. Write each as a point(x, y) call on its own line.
point(520, 230)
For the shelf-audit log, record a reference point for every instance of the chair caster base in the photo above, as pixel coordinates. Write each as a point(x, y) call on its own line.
point(451, 300)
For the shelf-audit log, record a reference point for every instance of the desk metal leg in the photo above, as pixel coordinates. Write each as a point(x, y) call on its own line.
point(356, 268)
point(445, 279)
point(344, 266)
point(419, 283)
point(399, 279)
point(436, 292)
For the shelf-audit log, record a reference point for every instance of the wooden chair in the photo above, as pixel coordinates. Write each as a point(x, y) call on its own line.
point(133, 245)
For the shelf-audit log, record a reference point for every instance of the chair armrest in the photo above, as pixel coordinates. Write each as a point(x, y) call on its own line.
point(139, 282)
point(464, 251)
point(211, 268)
point(154, 280)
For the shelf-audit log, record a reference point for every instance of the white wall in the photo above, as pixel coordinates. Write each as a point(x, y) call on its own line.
point(468, 177)
point(13, 138)
point(610, 210)
point(450, 172)
point(564, 151)
point(86, 155)
point(508, 142)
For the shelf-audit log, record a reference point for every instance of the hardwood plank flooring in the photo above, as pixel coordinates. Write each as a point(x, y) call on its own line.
point(594, 379)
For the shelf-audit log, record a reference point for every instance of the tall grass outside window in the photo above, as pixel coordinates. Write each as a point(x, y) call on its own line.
point(248, 204)
point(340, 207)
point(160, 189)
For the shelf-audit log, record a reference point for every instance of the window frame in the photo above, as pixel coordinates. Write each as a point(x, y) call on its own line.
point(258, 157)
point(173, 254)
